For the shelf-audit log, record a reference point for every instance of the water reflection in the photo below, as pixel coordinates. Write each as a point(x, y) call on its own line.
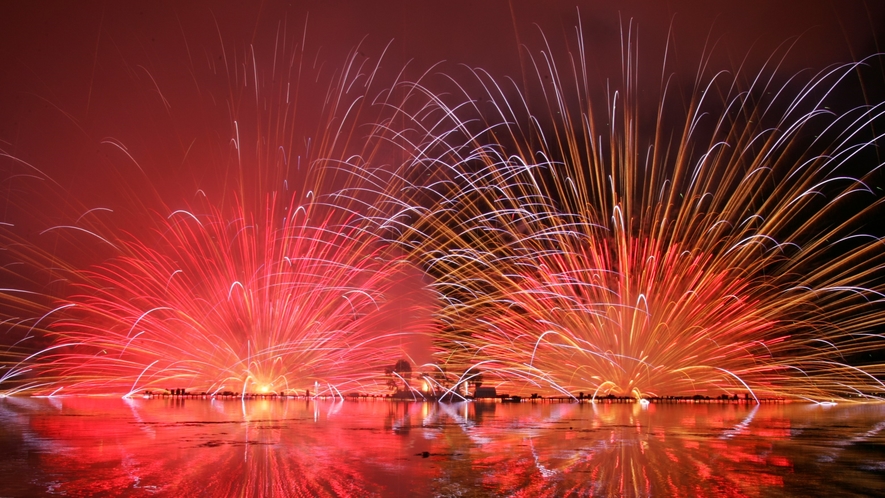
point(179, 447)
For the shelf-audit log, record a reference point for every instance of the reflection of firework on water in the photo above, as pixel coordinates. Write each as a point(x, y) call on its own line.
point(218, 448)
point(582, 249)
point(260, 285)
point(99, 446)
point(622, 450)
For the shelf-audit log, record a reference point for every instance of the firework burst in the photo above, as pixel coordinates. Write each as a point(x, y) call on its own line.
point(727, 248)
point(261, 284)
point(237, 303)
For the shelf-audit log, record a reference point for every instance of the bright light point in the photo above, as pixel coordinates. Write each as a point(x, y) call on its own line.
point(424, 386)
point(643, 402)
point(264, 389)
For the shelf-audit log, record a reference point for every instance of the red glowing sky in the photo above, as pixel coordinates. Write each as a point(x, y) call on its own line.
point(79, 76)
point(77, 73)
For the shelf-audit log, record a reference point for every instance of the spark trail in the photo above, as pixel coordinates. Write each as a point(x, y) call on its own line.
point(731, 247)
point(249, 277)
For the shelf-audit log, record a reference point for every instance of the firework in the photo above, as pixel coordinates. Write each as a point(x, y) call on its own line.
point(254, 281)
point(236, 303)
point(639, 251)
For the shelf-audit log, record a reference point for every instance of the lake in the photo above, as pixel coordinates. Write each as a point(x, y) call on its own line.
point(298, 447)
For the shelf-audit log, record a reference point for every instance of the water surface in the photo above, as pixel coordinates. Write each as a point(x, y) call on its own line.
point(275, 447)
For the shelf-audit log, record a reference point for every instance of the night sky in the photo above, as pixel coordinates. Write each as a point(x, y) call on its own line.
point(151, 78)
point(132, 108)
